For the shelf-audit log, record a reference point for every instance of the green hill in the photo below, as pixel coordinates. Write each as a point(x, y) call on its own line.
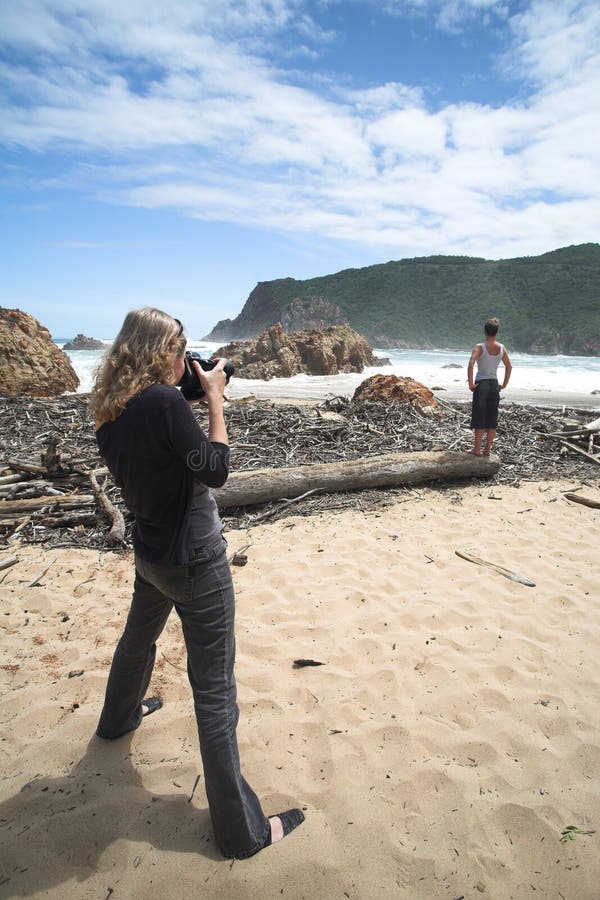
point(546, 304)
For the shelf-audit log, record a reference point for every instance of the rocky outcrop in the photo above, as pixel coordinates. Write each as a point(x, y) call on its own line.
point(548, 304)
point(32, 364)
point(276, 353)
point(81, 342)
point(391, 388)
point(311, 314)
point(262, 311)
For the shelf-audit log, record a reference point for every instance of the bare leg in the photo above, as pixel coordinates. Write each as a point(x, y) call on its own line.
point(476, 451)
point(489, 440)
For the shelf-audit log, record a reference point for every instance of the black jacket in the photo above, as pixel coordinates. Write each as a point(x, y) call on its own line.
point(154, 451)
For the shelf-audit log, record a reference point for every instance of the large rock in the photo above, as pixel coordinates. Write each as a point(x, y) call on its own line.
point(310, 314)
point(391, 388)
point(276, 353)
point(81, 342)
point(31, 363)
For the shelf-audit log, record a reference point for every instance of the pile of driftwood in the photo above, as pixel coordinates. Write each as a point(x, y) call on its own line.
point(54, 489)
point(580, 438)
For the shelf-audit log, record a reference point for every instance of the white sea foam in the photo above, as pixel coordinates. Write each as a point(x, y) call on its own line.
point(572, 377)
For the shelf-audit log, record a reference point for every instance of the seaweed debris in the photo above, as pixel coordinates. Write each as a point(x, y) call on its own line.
point(48, 450)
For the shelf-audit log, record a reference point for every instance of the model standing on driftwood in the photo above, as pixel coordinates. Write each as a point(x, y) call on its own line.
point(487, 356)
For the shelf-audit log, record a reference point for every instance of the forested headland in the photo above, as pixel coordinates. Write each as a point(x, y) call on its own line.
point(547, 304)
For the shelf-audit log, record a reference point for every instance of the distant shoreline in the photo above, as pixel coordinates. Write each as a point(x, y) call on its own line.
point(541, 399)
point(537, 399)
point(534, 399)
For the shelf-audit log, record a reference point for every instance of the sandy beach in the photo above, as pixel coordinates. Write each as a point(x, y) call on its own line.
point(450, 736)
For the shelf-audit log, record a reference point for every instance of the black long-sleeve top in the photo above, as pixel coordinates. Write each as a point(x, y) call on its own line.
point(155, 451)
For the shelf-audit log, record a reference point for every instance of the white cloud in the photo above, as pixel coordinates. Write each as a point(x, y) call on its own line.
point(557, 41)
point(450, 15)
point(167, 110)
point(409, 133)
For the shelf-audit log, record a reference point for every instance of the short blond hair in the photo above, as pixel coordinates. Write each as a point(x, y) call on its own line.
point(140, 355)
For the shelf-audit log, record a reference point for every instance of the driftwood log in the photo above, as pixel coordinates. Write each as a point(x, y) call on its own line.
point(392, 469)
point(275, 435)
point(64, 501)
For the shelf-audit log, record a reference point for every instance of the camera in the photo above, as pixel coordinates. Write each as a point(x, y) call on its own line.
point(190, 383)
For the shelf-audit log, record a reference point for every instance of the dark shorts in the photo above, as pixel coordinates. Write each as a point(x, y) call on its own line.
point(486, 397)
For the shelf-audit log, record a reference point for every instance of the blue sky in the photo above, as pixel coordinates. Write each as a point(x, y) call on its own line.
point(174, 154)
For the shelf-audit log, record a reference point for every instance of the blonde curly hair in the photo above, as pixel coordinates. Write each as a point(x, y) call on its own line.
point(141, 355)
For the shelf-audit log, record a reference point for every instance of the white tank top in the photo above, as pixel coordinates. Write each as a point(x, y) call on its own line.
point(487, 365)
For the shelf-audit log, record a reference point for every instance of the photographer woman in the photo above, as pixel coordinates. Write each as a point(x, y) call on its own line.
point(165, 464)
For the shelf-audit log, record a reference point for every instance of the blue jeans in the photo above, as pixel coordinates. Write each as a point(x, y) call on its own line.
point(202, 594)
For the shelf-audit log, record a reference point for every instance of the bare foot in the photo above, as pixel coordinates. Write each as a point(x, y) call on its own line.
point(474, 453)
point(150, 705)
point(276, 829)
point(284, 822)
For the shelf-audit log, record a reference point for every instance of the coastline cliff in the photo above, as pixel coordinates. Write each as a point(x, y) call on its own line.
point(548, 304)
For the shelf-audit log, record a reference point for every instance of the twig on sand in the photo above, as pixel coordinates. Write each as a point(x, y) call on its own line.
point(39, 577)
point(8, 561)
point(586, 501)
point(190, 798)
point(175, 666)
point(512, 576)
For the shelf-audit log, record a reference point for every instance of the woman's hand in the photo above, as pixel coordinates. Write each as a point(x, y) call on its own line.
point(213, 381)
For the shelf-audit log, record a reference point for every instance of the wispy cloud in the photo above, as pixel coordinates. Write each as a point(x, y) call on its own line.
point(188, 110)
point(450, 14)
point(94, 245)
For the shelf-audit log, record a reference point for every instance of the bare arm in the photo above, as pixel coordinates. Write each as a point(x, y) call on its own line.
point(475, 354)
point(507, 369)
point(213, 383)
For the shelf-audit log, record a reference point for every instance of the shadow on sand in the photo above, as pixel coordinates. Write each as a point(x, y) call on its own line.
point(56, 829)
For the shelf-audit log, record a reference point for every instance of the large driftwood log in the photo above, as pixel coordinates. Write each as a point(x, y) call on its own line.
point(264, 485)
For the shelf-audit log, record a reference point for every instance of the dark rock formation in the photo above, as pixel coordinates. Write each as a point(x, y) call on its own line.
point(276, 353)
point(314, 314)
point(32, 364)
point(81, 342)
point(262, 311)
point(391, 388)
point(548, 304)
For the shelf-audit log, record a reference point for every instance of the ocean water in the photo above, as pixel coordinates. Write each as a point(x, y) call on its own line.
point(543, 380)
